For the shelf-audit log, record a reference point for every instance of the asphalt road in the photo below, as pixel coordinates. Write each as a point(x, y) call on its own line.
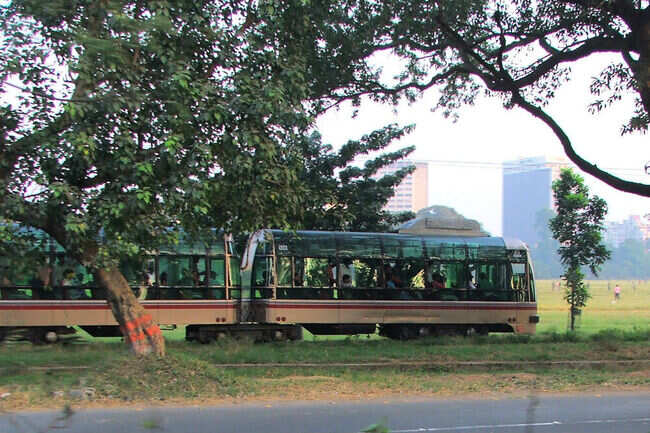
point(611, 413)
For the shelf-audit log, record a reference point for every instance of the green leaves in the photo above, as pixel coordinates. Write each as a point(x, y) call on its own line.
point(344, 196)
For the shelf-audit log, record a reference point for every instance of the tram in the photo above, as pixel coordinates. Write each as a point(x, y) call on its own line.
point(329, 283)
point(197, 285)
point(404, 285)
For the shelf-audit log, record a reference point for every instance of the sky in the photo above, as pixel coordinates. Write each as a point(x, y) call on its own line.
point(465, 157)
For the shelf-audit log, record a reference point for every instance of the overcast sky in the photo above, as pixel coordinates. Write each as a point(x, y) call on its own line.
point(487, 135)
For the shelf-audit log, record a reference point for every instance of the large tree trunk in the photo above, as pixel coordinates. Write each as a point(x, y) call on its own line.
point(140, 332)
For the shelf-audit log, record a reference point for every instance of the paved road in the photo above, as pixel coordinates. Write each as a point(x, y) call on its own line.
point(620, 413)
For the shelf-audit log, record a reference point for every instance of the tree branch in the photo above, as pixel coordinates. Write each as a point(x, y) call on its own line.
point(611, 180)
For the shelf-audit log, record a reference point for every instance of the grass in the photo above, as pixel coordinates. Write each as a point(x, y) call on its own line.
point(192, 373)
point(631, 312)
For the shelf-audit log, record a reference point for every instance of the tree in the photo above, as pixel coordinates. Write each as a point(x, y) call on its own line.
point(126, 123)
point(518, 50)
point(577, 227)
point(344, 197)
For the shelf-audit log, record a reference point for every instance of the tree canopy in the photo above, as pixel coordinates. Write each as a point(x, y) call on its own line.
point(347, 197)
point(517, 50)
point(132, 121)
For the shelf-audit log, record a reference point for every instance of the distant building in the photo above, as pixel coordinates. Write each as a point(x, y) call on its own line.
point(635, 227)
point(413, 193)
point(527, 189)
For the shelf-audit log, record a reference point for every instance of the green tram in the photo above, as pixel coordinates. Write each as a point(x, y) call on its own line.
point(197, 285)
point(327, 282)
point(407, 285)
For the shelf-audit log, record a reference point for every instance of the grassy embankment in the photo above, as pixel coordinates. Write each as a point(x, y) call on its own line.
point(190, 373)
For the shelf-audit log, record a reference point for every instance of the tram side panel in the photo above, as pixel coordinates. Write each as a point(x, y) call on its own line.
point(98, 313)
point(517, 316)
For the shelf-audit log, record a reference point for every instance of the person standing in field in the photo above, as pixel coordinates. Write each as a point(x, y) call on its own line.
point(617, 292)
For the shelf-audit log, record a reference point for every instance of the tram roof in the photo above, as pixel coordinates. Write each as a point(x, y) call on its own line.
point(185, 246)
point(387, 245)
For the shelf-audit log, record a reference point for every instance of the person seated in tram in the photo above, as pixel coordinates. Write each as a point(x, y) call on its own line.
point(167, 292)
point(331, 274)
point(484, 282)
point(346, 283)
point(393, 282)
point(470, 281)
point(195, 281)
point(70, 280)
point(438, 281)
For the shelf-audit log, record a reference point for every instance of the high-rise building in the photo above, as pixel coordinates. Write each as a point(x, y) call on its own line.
point(412, 194)
point(527, 190)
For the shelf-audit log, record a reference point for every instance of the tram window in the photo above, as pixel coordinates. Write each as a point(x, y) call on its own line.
point(16, 275)
point(184, 271)
point(263, 271)
point(134, 271)
point(318, 272)
point(446, 275)
point(368, 273)
point(285, 276)
point(71, 277)
point(492, 282)
point(217, 272)
point(181, 271)
point(491, 276)
point(216, 278)
point(409, 272)
point(518, 281)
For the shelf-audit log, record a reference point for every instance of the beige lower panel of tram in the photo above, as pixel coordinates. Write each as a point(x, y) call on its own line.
point(345, 313)
point(161, 312)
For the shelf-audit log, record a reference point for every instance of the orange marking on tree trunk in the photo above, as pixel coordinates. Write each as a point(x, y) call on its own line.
point(152, 330)
point(132, 324)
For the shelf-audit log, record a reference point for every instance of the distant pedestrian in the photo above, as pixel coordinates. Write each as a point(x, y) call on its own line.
point(617, 292)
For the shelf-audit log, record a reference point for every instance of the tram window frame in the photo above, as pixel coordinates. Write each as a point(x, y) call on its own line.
point(532, 293)
point(233, 289)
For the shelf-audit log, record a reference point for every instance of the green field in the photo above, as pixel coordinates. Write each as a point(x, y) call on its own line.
point(631, 312)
